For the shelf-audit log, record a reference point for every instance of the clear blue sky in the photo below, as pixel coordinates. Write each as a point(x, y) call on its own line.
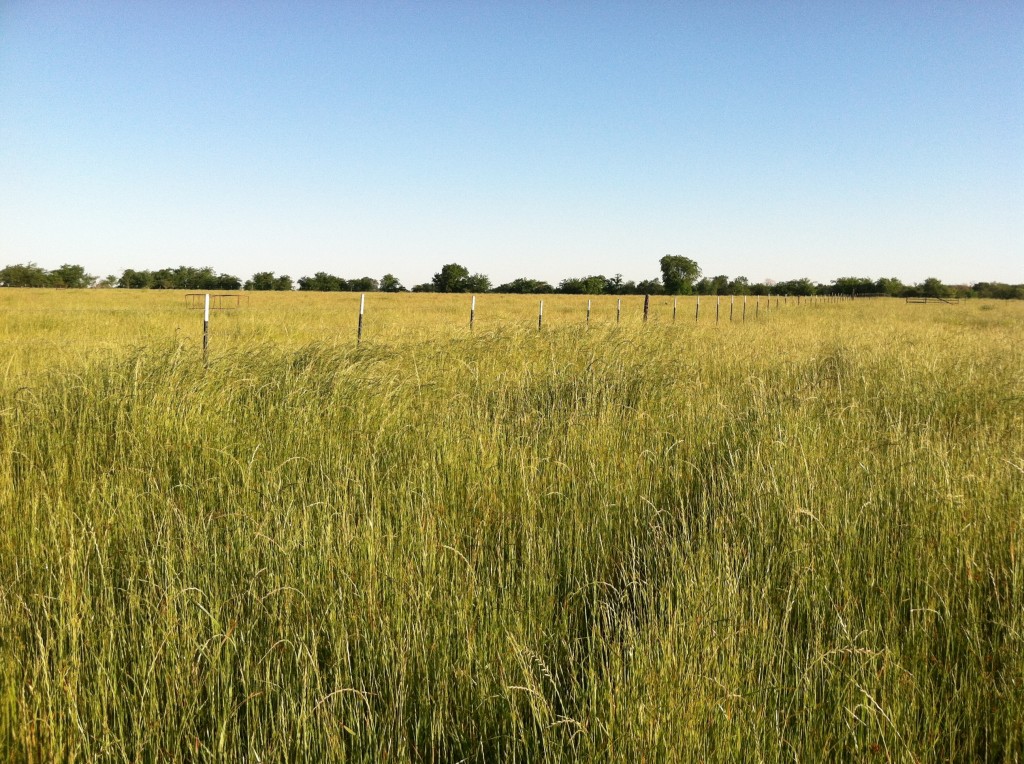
point(544, 139)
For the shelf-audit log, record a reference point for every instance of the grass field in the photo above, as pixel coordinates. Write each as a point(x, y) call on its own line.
point(795, 538)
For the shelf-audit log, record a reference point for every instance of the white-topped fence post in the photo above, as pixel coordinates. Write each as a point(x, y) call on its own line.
point(206, 328)
point(362, 308)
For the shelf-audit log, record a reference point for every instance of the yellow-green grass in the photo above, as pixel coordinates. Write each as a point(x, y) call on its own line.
point(796, 537)
point(43, 327)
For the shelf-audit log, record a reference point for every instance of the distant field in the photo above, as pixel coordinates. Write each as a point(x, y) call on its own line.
point(41, 327)
point(795, 537)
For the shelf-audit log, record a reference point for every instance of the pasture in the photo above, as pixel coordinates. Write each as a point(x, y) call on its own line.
point(791, 538)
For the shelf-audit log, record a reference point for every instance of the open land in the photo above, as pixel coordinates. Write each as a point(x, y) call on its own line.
point(797, 536)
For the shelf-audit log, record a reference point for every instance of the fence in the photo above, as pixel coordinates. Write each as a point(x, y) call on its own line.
point(736, 313)
point(924, 300)
point(197, 301)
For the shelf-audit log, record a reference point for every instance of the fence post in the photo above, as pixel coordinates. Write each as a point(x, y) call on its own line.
point(647, 306)
point(472, 312)
point(588, 313)
point(359, 328)
point(540, 316)
point(696, 316)
point(675, 304)
point(718, 307)
point(206, 329)
point(618, 310)
point(744, 307)
point(732, 304)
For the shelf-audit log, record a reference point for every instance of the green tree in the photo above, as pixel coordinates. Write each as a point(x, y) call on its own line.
point(999, 291)
point(852, 285)
point(266, 281)
point(932, 287)
point(525, 286)
point(71, 277)
point(890, 286)
point(390, 283)
point(794, 287)
point(322, 282)
point(452, 278)
point(476, 283)
point(228, 282)
point(584, 285)
point(182, 277)
point(678, 274)
point(457, 278)
point(739, 285)
point(363, 284)
point(650, 286)
point(615, 285)
point(132, 279)
point(24, 275)
point(716, 285)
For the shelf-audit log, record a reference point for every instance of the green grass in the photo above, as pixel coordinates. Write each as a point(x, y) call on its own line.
point(796, 538)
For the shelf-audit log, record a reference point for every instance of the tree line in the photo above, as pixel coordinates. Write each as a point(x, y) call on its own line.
point(680, 275)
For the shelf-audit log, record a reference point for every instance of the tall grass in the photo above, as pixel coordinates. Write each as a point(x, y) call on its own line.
point(797, 538)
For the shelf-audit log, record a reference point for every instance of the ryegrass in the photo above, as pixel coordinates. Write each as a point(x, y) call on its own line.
point(795, 538)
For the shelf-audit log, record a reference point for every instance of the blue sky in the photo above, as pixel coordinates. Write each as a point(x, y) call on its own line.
point(543, 139)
